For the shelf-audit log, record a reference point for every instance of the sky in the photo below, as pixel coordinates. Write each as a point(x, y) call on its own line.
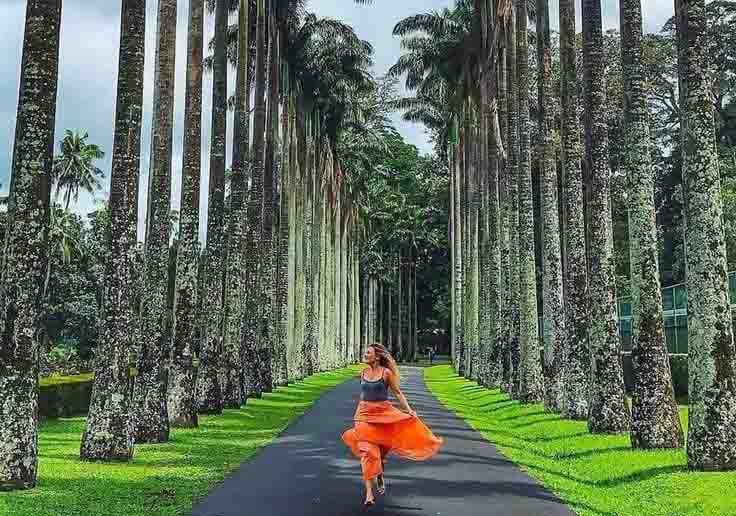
point(90, 32)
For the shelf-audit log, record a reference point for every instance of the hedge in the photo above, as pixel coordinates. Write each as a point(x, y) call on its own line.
point(678, 365)
point(62, 396)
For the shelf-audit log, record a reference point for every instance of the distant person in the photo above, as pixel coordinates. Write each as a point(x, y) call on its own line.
point(380, 427)
point(430, 353)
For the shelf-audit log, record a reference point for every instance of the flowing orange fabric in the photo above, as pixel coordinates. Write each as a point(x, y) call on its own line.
point(381, 428)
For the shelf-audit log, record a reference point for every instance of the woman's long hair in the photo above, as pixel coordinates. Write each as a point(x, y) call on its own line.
point(385, 359)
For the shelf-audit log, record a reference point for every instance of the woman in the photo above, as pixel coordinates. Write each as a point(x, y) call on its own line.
point(380, 428)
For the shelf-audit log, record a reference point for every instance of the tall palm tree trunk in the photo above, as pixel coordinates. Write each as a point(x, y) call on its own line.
point(249, 332)
point(210, 375)
point(290, 185)
point(531, 380)
point(25, 244)
point(151, 418)
point(232, 388)
point(451, 230)
point(494, 147)
point(576, 355)
point(182, 405)
point(711, 443)
point(655, 421)
point(108, 431)
point(608, 411)
point(308, 248)
point(513, 209)
point(300, 283)
point(502, 338)
point(265, 327)
point(284, 340)
point(553, 311)
point(315, 181)
point(458, 265)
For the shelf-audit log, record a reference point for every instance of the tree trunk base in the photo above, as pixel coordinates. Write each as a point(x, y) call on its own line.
point(149, 404)
point(182, 406)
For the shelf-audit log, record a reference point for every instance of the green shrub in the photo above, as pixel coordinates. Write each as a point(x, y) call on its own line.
point(678, 366)
point(63, 396)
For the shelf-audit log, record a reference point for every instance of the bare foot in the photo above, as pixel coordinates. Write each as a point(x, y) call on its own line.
point(381, 485)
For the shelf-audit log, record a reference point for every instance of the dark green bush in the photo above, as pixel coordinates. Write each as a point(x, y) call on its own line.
point(62, 396)
point(678, 365)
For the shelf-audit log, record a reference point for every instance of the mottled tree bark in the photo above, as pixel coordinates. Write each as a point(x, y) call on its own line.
point(655, 422)
point(284, 338)
point(576, 354)
point(505, 308)
point(26, 234)
point(494, 249)
point(309, 260)
point(213, 357)
point(608, 411)
point(315, 168)
point(149, 397)
point(232, 389)
point(553, 311)
point(255, 201)
point(265, 340)
point(182, 405)
point(299, 284)
point(457, 264)
point(109, 426)
point(513, 208)
point(711, 443)
point(531, 379)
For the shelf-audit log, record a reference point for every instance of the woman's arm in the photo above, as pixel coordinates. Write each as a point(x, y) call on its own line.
point(394, 385)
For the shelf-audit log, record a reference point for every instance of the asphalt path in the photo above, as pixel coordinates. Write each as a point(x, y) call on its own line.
point(308, 471)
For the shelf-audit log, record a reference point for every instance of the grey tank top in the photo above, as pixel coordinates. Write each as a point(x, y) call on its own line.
point(374, 390)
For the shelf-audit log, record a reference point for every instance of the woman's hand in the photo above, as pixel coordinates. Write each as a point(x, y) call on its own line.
point(411, 412)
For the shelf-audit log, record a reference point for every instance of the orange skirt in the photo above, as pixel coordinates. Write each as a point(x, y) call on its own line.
point(381, 428)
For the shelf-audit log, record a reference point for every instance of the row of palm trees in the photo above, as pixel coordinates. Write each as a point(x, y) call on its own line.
point(469, 69)
point(280, 290)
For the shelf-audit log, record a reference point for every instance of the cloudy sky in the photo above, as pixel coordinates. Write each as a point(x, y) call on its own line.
point(89, 57)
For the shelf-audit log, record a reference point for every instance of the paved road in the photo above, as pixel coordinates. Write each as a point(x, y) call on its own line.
point(308, 471)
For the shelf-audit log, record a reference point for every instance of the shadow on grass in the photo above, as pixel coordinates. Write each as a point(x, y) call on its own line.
point(595, 474)
point(162, 478)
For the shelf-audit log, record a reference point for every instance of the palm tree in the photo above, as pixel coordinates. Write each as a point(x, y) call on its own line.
point(608, 411)
point(182, 405)
point(576, 364)
point(531, 381)
point(655, 420)
point(265, 323)
point(150, 410)
point(552, 262)
point(25, 244)
point(209, 372)
point(711, 443)
point(74, 167)
point(513, 345)
point(108, 432)
point(232, 389)
point(249, 335)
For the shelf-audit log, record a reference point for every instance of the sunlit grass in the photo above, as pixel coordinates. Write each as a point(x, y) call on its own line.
point(594, 474)
point(162, 479)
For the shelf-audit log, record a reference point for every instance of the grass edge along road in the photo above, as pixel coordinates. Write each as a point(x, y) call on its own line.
point(594, 474)
point(163, 479)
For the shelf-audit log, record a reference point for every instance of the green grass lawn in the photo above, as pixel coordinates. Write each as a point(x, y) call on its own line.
point(594, 474)
point(163, 479)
